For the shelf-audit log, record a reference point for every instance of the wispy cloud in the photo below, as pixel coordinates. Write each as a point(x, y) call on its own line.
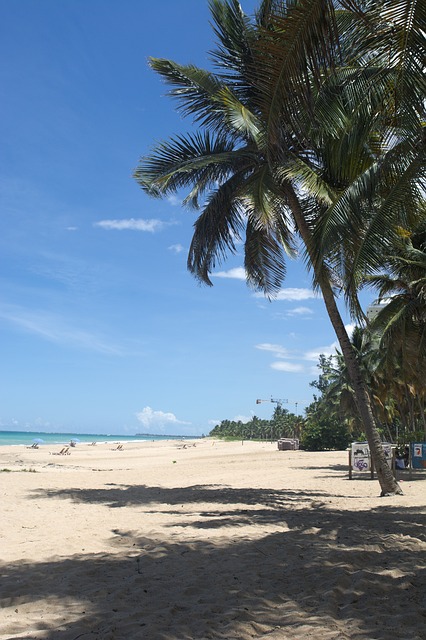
point(300, 311)
point(242, 418)
point(238, 418)
point(290, 367)
point(160, 420)
point(292, 361)
point(284, 355)
point(291, 294)
point(278, 350)
point(176, 248)
point(174, 201)
point(54, 328)
point(237, 273)
point(131, 224)
point(328, 350)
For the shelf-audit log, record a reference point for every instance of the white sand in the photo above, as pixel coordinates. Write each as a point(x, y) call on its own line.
point(216, 540)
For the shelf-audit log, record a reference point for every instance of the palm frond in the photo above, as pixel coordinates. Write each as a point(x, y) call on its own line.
point(183, 161)
point(292, 55)
point(195, 89)
point(232, 27)
point(216, 230)
point(240, 119)
point(264, 259)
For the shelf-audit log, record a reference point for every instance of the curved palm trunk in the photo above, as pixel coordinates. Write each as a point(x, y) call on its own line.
point(388, 484)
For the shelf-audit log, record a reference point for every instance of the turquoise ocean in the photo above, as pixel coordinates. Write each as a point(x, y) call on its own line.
point(46, 438)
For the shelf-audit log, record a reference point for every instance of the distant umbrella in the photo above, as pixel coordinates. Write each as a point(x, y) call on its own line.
point(74, 441)
point(38, 441)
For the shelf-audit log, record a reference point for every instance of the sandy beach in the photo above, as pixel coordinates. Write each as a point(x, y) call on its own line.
point(206, 539)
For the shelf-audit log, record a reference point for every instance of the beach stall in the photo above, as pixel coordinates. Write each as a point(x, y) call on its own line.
point(288, 444)
point(418, 455)
point(360, 457)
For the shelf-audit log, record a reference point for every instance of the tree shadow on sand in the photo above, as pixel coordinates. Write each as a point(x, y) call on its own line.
point(328, 573)
point(121, 495)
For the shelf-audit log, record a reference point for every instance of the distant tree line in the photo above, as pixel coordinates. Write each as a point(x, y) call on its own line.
point(283, 424)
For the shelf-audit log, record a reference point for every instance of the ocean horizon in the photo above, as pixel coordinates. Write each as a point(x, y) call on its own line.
point(28, 438)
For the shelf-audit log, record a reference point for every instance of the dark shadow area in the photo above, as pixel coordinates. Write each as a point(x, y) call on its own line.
point(123, 495)
point(326, 467)
point(325, 569)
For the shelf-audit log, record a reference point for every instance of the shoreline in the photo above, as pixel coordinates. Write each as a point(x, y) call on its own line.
point(205, 539)
point(9, 438)
point(84, 443)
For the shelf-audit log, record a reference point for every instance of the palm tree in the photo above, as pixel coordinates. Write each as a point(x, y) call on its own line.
point(283, 150)
point(400, 327)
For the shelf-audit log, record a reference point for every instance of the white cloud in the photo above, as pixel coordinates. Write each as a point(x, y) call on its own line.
point(176, 248)
point(329, 350)
point(276, 349)
point(290, 367)
point(313, 370)
point(174, 201)
point(314, 354)
point(283, 354)
point(300, 311)
point(237, 273)
point(131, 224)
point(159, 420)
point(237, 418)
point(350, 329)
point(291, 294)
point(243, 419)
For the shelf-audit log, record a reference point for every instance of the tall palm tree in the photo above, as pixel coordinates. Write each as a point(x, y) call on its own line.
point(281, 143)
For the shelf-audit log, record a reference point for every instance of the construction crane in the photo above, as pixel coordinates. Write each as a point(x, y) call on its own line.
point(276, 401)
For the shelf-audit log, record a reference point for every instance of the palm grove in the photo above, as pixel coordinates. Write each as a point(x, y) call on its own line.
point(307, 141)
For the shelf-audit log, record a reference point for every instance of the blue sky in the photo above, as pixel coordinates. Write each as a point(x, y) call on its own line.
point(103, 330)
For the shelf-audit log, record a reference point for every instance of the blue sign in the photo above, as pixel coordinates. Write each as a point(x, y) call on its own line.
point(418, 455)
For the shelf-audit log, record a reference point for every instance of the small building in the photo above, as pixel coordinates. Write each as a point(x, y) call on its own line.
point(374, 309)
point(288, 444)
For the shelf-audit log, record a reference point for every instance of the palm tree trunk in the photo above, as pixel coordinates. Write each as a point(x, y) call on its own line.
point(388, 484)
point(422, 413)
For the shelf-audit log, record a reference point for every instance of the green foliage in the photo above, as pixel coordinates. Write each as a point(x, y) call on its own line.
point(332, 417)
point(282, 425)
point(322, 435)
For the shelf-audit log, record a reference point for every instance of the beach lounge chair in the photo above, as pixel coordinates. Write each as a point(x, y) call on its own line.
point(63, 452)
